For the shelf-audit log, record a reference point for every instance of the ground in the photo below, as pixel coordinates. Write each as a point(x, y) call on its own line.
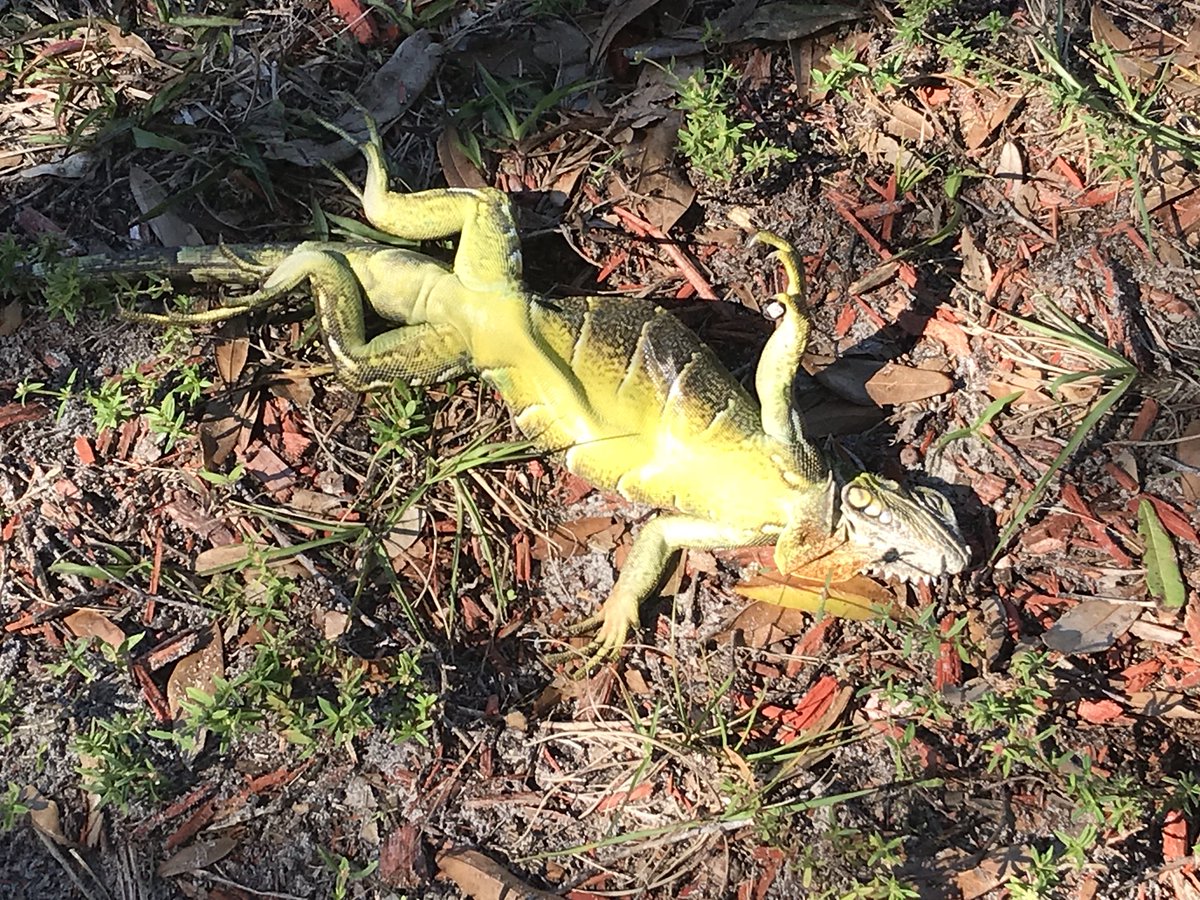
point(266, 637)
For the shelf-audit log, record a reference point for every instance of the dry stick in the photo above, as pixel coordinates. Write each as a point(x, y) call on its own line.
point(644, 229)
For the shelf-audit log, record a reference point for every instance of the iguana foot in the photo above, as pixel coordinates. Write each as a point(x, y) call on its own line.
point(786, 254)
point(612, 624)
point(372, 148)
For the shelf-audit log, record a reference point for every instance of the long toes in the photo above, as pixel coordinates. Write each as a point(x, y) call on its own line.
point(591, 623)
point(581, 655)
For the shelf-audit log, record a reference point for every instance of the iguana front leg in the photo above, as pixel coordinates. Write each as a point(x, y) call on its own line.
point(645, 567)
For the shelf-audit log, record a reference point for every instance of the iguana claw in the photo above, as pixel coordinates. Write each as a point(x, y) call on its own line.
point(612, 626)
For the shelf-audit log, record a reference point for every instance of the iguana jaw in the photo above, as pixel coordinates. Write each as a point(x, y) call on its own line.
point(907, 534)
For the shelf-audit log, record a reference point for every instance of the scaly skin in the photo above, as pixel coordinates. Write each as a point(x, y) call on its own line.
point(628, 397)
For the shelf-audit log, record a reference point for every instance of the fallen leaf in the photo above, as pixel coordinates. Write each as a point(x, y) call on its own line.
point(77, 165)
point(599, 533)
point(977, 272)
point(168, 226)
point(43, 814)
point(86, 623)
point(482, 878)
point(10, 318)
point(980, 131)
point(763, 624)
point(787, 21)
point(992, 871)
point(197, 670)
point(403, 534)
point(385, 97)
point(1187, 451)
point(1091, 627)
point(1163, 579)
point(664, 193)
point(316, 502)
point(1163, 704)
point(231, 353)
point(275, 474)
point(194, 857)
point(1010, 165)
point(458, 169)
point(869, 382)
point(616, 18)
point(858, 598)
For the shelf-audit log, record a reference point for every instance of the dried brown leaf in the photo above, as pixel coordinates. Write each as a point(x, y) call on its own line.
point(90, 623)
point(787, 21)
point(569, 539)
point(11, 317)
point(664, 193)
point(619, 14)
point(43, 814)
point(1187, 451)
point(275, 474)
point(1010, 165)
point(1091, 627)
point(232, 352)
point(385, 97)
point(168, 226)
point(197, 670)
point(482, 878)
point(200, 855)
point(459, 171)
point(403, 535)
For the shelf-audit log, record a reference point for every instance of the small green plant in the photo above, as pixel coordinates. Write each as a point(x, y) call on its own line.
point(886, 74)
point(1111, 365)
point(844, 69)
point(1011, 717)
point(915, 16)
point(75, 659)
point(110, 405)
point(27, 389)
point(8, 711)
point(1040, 876)
point(408, 713)
point(345, 717)
point(12, 806)
point(711, 139)
point(115, 759)
point(344, 872)
point(397, 416)
point(67, 294)
point(511, 110)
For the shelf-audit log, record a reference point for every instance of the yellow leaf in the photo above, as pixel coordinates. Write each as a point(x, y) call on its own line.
point(858, 598)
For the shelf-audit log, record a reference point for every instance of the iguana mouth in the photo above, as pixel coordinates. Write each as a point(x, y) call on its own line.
point(912, 534)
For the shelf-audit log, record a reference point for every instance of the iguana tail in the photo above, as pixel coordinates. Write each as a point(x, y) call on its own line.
point(220, 263)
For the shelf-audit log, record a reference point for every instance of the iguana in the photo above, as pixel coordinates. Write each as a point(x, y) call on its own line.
point(626, 395)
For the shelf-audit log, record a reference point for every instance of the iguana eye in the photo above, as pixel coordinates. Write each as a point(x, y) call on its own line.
point(859, 498)
point(868, 503)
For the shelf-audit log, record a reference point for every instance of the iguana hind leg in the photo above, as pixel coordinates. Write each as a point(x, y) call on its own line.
point(644, 569)
point(418, 353)
point(489, 249)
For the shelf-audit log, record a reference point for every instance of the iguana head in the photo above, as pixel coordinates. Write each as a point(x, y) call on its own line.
point(909, 534)
point(874, 525)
